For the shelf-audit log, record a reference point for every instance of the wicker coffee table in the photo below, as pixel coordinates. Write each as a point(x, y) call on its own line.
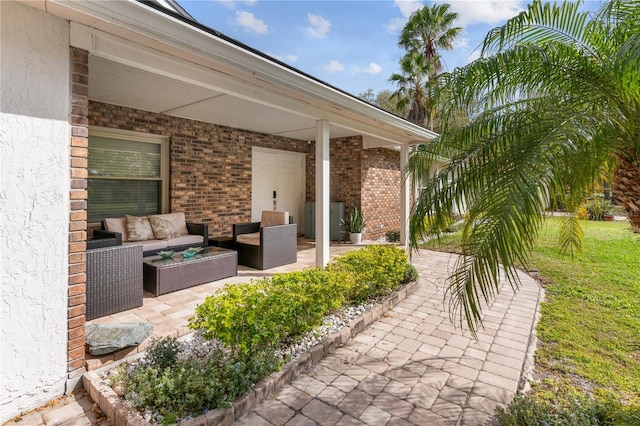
point(176, 273)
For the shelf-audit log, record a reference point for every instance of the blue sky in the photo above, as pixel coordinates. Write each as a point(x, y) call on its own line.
point(350, 44)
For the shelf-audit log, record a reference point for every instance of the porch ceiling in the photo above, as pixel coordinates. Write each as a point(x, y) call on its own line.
point(144, 58)
point(120, 84)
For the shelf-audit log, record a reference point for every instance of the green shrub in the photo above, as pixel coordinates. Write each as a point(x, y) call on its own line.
point(162, 353)
point(253, 319)
point(189, 385)
point(264, 313)
point(410, 274)
point(392, 236)
point(236, 316)
point(597, 208)
point(377, 270)
point(557, 203)
point(302, 299)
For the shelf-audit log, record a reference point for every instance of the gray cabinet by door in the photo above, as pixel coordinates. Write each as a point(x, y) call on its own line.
point(336, 213)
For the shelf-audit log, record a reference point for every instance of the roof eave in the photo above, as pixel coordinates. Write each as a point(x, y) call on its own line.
point(149, 26)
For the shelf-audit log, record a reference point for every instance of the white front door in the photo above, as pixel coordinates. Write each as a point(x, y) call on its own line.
point(278, 183)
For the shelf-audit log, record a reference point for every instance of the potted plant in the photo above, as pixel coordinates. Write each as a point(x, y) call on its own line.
point(354, 225)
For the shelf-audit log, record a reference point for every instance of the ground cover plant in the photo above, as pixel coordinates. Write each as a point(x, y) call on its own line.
point(241, 330)
point(588, 356)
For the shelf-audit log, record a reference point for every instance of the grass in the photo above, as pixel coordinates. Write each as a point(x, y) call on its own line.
point(589, 327)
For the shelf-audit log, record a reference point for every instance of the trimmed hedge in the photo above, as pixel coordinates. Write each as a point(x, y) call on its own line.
point(379, 269)
point(265, 313)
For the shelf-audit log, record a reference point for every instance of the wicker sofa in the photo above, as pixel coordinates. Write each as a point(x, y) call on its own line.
point(266, 244)
point(186, 234)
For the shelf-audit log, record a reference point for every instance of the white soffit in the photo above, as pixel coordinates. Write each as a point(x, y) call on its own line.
point(202, 67)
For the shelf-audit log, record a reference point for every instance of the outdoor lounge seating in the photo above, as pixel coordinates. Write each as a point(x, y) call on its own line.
point(266, 244)
point(156, 233)
point(114, 280)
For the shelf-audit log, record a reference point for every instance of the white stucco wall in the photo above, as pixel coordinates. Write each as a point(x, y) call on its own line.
point(34, 203)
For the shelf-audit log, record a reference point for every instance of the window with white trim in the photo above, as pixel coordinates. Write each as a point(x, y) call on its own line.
point(127, 174)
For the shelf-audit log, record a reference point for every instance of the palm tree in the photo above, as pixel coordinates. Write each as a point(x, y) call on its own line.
point(427, 31)
point(555, 95)
point(412, 91)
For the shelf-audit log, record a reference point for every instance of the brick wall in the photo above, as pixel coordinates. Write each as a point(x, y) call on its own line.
point(381, 180)
point(78, 213)
point(210, 177)
point(210, 165)
point(345, 177)
point(369, 178)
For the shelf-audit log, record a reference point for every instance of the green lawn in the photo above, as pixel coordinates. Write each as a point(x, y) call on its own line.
point(590, 325)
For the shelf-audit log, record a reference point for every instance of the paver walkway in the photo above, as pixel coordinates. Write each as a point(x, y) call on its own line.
point(413, 367)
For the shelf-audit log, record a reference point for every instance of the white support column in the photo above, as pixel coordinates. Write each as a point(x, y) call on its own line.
point(405, 189)
point(322, 193)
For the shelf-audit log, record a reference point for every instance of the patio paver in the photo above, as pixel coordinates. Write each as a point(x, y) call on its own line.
point(414, 367)
point(411, 367)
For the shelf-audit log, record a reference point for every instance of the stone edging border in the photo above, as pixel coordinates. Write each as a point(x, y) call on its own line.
point(121, 415)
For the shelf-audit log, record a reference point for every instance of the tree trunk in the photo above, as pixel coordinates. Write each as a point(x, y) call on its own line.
point(627, 187)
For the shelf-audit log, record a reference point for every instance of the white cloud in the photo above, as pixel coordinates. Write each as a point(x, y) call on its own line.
point(232, 4)
point(491, 12)
point(333, 66)
point(319, 26)
point(395, 25)
point(461, 42)
point(284, 58)
point(407, 7)
point(250, 23)
point(372, 69)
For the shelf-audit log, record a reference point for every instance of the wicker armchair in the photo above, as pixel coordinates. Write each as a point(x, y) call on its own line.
point(103, 239)
point(265, 247)
point(114, 280)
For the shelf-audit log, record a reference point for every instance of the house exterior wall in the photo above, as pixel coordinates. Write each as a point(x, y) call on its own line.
point(210, 177)
point(368, 178)
point(210, 165)
point(345, 178)
point(381, 183)
point(34, 200)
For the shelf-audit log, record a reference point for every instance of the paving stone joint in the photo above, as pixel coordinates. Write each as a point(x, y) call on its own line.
point(116, 409)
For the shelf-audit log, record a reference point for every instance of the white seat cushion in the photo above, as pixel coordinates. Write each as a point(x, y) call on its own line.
point(150, 244)
point(117, 224)
point(273, 218)
point(195, 240)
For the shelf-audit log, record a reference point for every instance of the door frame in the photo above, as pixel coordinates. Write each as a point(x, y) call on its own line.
point(299, 217)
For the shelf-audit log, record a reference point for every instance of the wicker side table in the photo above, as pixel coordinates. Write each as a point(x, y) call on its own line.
point(224, 241)
point(114, 280)
point(166, 275)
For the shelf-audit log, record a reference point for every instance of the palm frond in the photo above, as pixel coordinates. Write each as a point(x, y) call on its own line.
point(541, 23)
point(571, 235)
point(557, 98)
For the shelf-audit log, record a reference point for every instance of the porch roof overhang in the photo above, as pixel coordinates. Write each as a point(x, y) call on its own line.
point(147, 58)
